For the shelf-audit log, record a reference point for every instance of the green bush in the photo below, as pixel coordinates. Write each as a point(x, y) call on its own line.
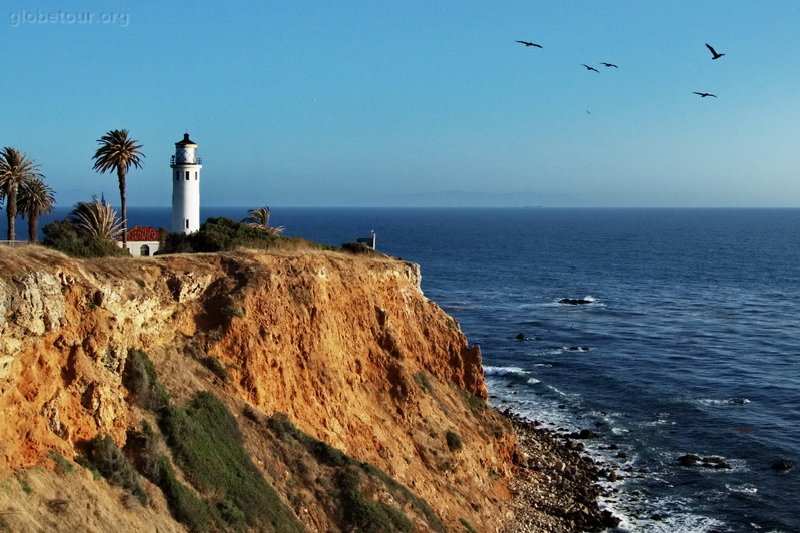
point(140, 378)
point(186, 506)
point(206, 443)
point(214, 365)
point(453, 441)
point(222, 234)
point(62, 465)
point(65, 237)
point(362, 514)
point(114, 466)
point(347, 483)
point(468, 527)
point(358, 248)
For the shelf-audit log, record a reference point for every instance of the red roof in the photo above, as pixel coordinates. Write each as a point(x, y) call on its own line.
point(143, 233)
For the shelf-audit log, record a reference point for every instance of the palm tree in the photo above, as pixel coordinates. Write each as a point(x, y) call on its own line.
point(96, 219)
point(15, 170)
point(117, 152)
point(35, 198)
point(259, 218)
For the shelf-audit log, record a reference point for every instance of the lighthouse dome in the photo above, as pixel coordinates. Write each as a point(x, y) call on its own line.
point(186, 141)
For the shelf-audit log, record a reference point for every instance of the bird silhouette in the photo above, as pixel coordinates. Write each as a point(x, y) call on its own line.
point(703, 95)
point(714, 53)
point(609, 65)
point(528, 43)
point(589, 68)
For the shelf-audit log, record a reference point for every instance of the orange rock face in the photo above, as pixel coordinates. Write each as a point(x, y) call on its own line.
point(346, 346)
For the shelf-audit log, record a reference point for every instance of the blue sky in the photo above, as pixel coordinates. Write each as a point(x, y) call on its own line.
point(413, 103)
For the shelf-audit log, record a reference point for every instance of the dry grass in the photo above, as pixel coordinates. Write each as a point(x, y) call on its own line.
point(75, 503)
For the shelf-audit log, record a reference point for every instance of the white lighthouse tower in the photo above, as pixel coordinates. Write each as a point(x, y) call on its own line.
point(185, 186)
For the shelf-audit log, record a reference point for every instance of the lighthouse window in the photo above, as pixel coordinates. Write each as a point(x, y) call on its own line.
point(187, 175)
point(195, 175)
point(187, 223)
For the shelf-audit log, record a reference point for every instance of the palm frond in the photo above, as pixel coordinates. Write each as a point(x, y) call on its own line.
point(117, 151)
point(15, 170)
point(96, 219)
point(259, 218)
point(35, 198)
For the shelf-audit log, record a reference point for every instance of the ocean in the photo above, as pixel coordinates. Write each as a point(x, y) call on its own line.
point(689, 342)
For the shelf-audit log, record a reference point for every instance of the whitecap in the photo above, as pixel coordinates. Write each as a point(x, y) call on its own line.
point(669, 521)
point(504, 371)
point(533, 381)
point(742, 489)
point(737, 400)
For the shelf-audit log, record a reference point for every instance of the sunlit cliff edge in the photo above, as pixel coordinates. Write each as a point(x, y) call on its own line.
point(346, 346)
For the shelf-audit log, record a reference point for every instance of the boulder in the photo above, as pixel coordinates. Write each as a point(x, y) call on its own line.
point(574, 301)
point(782, 465)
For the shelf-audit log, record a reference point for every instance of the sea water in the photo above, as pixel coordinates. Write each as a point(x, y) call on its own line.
point(690, 342)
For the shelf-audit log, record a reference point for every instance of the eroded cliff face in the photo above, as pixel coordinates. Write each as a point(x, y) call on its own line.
point(346, 346)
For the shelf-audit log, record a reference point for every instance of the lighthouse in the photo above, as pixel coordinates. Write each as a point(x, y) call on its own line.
point(185, 186)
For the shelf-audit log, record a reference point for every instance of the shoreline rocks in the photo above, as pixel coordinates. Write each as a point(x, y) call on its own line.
point(555, 488)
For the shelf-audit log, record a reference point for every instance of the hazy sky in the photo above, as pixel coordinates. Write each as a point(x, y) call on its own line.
point(357, 103)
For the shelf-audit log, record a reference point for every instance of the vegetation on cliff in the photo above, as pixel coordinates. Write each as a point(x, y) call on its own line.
point(222, 234)
point(371, 375)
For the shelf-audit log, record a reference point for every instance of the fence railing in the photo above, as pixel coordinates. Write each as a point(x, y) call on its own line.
point(14, 243)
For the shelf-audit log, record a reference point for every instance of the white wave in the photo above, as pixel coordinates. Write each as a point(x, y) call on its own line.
point(728, 401)
point(670, 522)
point(742, 489)
point(533, 381)
point(504, 371)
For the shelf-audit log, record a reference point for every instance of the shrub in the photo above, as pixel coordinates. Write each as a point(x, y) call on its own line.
point(358, 248)
point(186, 506)
point(424, 381)
point(453, 441)
point(217, 368)
point(356, 509)
point(87, 464)
point(476, 403)
point(362, 514)
point(141, 380)
point(62, 465)
point(114, 466)
point(206, 443)
point(468, 528)
point(221, 234)
point(65, 237)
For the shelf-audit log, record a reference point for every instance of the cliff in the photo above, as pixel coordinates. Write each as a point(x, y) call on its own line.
point(344, 350)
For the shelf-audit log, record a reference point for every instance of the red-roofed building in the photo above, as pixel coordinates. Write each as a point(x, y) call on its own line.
point(142, 240)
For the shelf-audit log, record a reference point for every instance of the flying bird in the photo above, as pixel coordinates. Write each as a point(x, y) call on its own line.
point(609, 65)
point(703, 95)
point(589, 68)
point(714, 53)
point(528, 43)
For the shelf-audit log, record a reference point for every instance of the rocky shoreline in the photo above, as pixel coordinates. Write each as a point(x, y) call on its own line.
point(555, 486)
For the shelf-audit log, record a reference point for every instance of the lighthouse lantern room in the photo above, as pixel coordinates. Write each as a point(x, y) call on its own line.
point(185, 186)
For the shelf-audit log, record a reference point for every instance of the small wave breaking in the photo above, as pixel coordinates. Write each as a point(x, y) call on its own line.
point(504, 371)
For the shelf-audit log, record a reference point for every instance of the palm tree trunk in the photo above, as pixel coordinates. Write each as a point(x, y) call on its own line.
point(33, 227)
point(11, 212)
point(124, 206)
